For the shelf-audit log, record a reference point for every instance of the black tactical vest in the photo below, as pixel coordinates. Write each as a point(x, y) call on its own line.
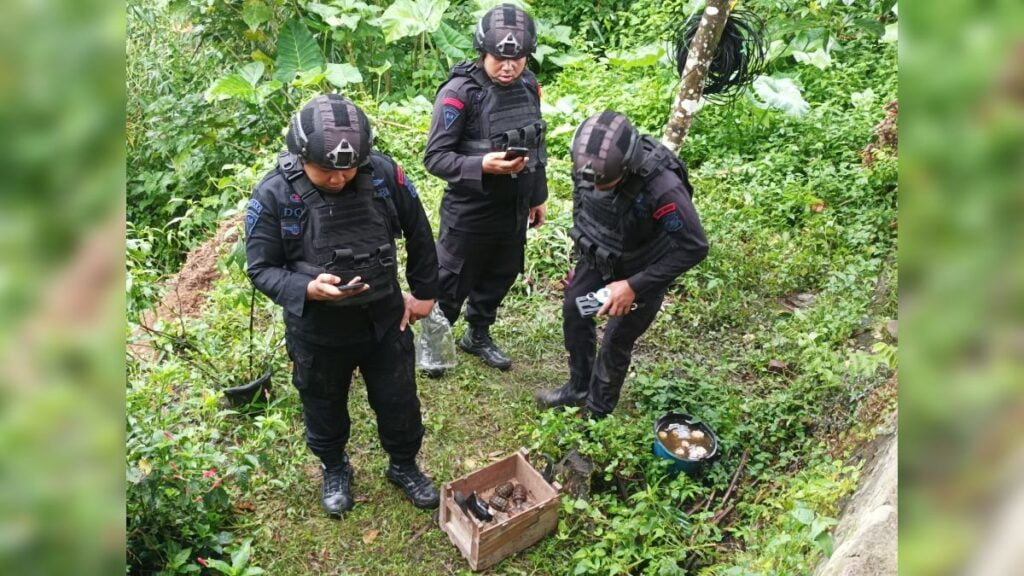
point(599, 217)
point(349, 234)
point(503, 116)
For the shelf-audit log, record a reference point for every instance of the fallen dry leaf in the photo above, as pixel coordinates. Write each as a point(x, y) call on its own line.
point(370, 535)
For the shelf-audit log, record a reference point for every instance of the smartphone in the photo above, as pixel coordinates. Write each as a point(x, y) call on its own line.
point(513, 152)
point(347, 287)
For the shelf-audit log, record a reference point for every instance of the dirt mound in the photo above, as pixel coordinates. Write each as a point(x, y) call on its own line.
point(185, 292)
point(886, 135)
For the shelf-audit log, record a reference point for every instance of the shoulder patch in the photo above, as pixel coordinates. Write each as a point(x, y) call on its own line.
point(665, 210)
point(451, 114)
point(399, 175)
point(673, 222)
point(453, 102)
point(538, 91)
point(252, 215)
point(381, 186)
point(291, 229)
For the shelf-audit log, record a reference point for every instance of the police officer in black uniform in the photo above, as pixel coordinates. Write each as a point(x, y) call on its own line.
point(485, 108)
point(635, 231)
point(320, 241)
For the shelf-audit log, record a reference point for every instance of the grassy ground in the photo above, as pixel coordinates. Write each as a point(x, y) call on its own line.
point(473, 415)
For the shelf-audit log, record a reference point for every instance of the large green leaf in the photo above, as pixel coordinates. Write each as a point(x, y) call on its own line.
point(231, 86)
point(454, 45)
point(335, 17)
point(412, 18)
point(781, 93)
point(296, 51)
point(252, 72)
point(542, 51)
point(256, 12)
point(642, 56)
point(342, 75)
point(819, 58)
point(569, 59)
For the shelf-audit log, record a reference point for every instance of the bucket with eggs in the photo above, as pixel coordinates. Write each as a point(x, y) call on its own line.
point(685, 441)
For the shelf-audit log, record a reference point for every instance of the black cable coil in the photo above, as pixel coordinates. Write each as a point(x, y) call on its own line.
point(739, 58)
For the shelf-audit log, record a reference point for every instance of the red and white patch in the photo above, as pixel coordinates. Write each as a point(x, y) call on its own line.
point(665, 210)
point(400, 175)
point(453, 102)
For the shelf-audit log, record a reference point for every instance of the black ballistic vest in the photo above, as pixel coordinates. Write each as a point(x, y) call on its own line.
point(600, 217)
point(503, 116)
point(349, 234)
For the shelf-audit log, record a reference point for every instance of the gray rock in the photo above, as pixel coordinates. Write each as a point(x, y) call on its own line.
point(866, 537)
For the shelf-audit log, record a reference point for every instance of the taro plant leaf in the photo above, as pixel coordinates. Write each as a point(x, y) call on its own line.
point(542, 51)
point(307, 78)
point(252, 72)
point(323, 10)
point(782, 94)
point(557, 34)
point(819, 58)
point(296, 51)
point(231, 86)
point(412, 18)
point(255, 13)
point(334, 17)
point(454, 45)
point(342, 75)
point(643, 56)
point(564, 60)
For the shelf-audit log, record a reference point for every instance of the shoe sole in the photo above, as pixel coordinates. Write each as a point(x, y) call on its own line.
point(409, 498)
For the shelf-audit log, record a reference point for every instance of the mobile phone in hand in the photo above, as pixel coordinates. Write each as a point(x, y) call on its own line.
point(348, 287)
point(513, 152)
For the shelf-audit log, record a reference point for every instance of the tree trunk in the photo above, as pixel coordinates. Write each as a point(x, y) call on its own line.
point(702, 50)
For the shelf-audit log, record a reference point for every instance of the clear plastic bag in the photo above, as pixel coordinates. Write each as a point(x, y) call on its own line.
point(435, 345)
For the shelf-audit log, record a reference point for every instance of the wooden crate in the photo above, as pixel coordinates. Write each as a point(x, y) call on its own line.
point(486, 544)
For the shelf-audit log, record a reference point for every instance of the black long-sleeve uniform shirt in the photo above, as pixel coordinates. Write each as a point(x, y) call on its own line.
point(474, 201)
point(664, 204)
point(275, 222)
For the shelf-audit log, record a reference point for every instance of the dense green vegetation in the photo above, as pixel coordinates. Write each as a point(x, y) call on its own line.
point(783, 191)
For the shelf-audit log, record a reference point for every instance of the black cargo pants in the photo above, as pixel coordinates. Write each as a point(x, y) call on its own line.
point(323, 375)
point(601, 373)
point(482, 267)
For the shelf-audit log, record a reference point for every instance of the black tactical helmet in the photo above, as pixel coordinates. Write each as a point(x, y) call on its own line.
point(604, 148)
point(506, 31)
point(332, 132)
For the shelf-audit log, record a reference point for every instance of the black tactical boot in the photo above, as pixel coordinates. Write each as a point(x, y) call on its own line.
point(337, 491)
point(565, 395)
point(416, 485)
point(477, 341)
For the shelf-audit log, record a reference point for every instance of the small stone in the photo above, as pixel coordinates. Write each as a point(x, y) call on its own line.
point(777, 366)
point(892, 328)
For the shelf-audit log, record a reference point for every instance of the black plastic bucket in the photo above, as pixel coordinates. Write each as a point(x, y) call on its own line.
point(254, 392)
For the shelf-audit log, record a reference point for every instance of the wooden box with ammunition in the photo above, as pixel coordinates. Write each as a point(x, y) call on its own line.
point(499, 510)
